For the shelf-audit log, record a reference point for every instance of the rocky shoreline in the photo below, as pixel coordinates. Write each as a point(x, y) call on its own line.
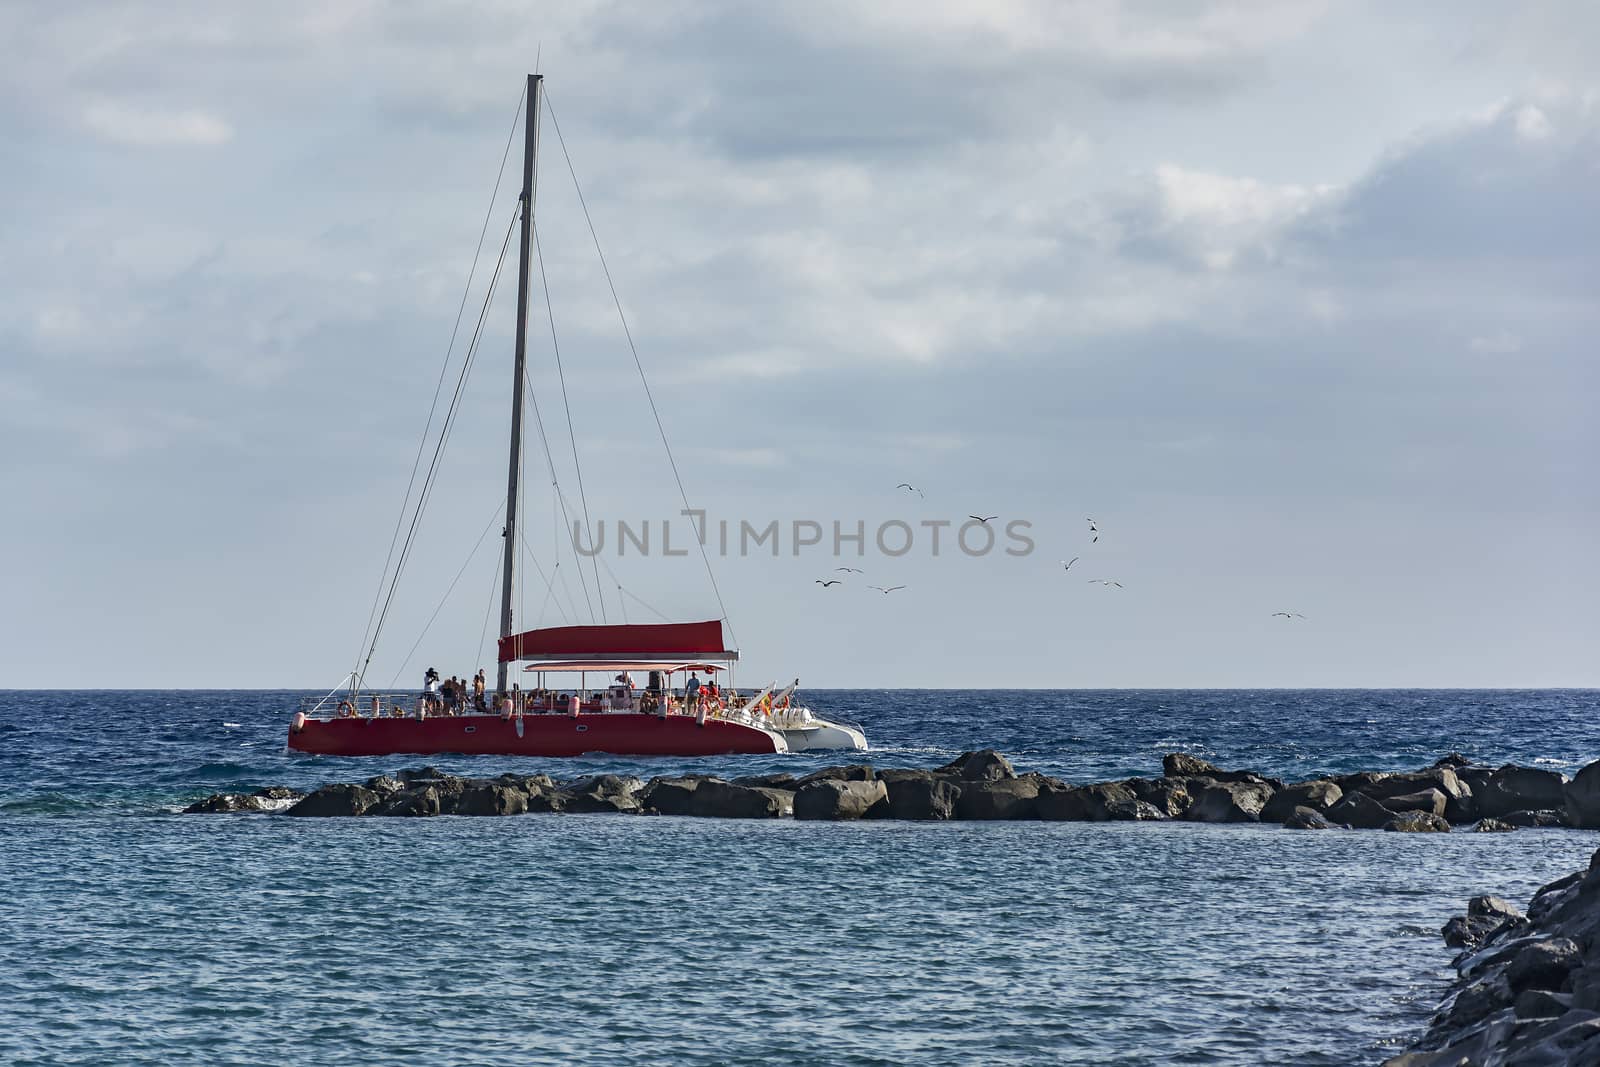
point(984, 785)
point(1528, 990)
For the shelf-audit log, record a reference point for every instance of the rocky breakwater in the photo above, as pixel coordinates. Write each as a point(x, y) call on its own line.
point(1528, 990)
point(985, 786)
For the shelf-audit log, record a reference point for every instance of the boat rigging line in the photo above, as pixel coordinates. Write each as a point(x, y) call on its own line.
point(583, 499)
point(660, 427)
point(438, 388)
point(444, 436)
point(555, 484)
point(453, 583)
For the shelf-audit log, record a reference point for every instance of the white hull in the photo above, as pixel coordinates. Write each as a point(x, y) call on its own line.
point(824, 736)
point(804, 732)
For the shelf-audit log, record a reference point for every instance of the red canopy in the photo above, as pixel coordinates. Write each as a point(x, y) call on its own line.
point(678, 641)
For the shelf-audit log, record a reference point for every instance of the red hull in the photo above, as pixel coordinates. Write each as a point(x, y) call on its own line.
point(620, 734)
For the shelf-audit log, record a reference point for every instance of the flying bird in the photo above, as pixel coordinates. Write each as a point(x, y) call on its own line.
point(912, 488)
point(850, 570)
point(830, 581)
point(884, 591)
point(1094, 530)
point(1066, 564)
point(1287, 615)
point(983, 520)
point(1104, 581)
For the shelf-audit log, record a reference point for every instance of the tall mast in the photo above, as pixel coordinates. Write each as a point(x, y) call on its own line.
point(530, 156)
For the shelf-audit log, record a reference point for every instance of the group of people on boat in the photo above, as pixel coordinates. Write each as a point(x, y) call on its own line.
point(450, 696)
point(454, 696)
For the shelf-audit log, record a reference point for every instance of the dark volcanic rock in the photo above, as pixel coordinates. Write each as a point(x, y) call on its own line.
point(1492, 826)
point(490, 798)
point(1227, 801)
point(1543, 964)
point(728, 800)
point(1417, 822)
point(594, 803)
point(1429, 800)
point(1169, 796)
point(1084, 803)
point(1536, 818)
point(1581, 797)
point(600, 794)
point(1453, 760)
point(1359, 782)
point(1360, 811)
point(1136, 811)
point(383, 784)
point(268, 798)
point(1529, 986)
point(1541, 1004)
point(225, 804)
point(860, 772)
point(984, 765)
point(429, 773)
point(834, 798)
point(1318, 795)
point(1002, 798)
point(670, 796)
point(781, 780)
point(605, 785)
point(1512, 788)
point(1307, 819)
point(922, 796)
point(1486, 917)
point(1443, 779)
point(412, 801)
point(334, 800)
point(1183, 765)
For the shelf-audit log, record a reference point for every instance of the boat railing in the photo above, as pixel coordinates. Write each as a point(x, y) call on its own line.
point(389, 705)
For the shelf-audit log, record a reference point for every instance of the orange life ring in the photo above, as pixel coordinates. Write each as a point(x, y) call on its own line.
point(346, 709)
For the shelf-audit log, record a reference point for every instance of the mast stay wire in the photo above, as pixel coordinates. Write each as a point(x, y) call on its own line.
point(561, 375)
point(444, 436)
point(439, 385)
point(660, 427)
point(555, 482)
point(483, 633)
point(440, 606)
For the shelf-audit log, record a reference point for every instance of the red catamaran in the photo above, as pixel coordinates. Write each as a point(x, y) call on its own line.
point(616, 716)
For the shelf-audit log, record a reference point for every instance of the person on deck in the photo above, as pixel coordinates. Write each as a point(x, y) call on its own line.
point(478, 684)
point(691, 693)
point(430, 686)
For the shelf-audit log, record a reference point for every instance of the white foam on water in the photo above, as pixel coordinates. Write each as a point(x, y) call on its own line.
point(233, 724)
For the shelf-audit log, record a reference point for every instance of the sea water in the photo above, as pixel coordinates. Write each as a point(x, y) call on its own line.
point(132, 935)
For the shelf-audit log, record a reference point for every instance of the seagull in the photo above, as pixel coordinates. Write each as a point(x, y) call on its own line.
point(830, 581)
point(884, 591)
point(983, 520)
point(1104, 581)
point(1287, 615)
point(1094, 530)
point(1066, 564)
point(912, 488)
point(850, 570)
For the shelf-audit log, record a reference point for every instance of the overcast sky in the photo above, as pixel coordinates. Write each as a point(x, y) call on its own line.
point(1296, 300)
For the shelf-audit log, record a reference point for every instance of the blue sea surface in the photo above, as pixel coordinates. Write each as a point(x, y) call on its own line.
point(132, 935)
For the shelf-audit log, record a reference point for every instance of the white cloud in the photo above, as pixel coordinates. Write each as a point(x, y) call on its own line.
point(142, 126)
point(1532, 125)
point(1499, 343)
